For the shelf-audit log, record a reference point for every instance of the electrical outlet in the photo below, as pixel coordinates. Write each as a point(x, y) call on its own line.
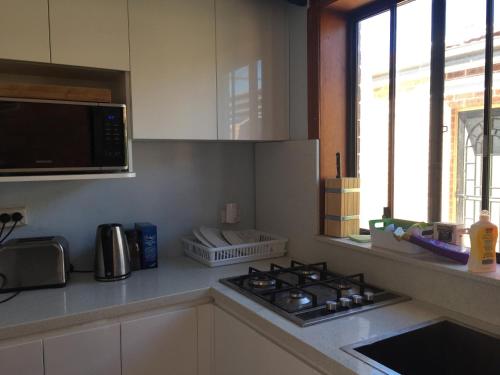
point(22, 210)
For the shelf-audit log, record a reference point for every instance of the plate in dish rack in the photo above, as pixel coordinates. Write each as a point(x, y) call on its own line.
point(200, 238)
point(233, 237)
point(213, 236)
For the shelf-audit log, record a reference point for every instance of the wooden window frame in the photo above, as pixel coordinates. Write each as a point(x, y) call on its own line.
point(332, 73)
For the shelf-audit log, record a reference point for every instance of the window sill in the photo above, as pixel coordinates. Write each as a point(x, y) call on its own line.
point(425, 260)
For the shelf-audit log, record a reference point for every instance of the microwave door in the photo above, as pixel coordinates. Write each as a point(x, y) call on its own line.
point(38, 136)
point(64, 138)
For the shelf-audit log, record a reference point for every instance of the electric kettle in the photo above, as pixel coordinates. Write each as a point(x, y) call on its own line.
point(112, 256)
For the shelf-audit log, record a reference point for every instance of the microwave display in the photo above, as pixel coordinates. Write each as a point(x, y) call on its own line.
point(44, 136)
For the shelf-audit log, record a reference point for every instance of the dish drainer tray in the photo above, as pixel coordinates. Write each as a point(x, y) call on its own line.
point(262, 245)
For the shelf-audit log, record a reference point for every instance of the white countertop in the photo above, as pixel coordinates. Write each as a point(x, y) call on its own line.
point(83, 299)
point(179, 280)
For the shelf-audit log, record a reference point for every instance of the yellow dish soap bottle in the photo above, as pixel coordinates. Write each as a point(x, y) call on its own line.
point(483, 239)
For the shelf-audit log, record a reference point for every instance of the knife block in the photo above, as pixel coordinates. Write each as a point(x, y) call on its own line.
point(341, 206)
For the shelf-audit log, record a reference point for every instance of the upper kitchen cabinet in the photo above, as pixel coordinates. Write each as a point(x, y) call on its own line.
point(173, 73)
point(90, 33)
point(252, 69)
point(24, 30)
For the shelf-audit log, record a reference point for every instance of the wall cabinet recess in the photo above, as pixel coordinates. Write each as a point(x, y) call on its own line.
point(252, 69)
point(94, 351)
point(24, 30)
point(173, 73)
point(22, 358)
point(161, 344)
point(241, 350)
point(89, 33)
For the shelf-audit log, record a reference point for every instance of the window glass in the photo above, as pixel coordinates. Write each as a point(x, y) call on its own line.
point(373, 115)
point(411, 138)
point(463, 110)
point(495, 124)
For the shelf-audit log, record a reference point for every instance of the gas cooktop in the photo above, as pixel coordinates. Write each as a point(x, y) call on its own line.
point(308, 294)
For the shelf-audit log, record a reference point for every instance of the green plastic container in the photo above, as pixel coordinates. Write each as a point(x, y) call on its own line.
point(387, 240)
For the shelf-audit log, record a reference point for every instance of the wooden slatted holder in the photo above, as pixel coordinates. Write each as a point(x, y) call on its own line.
point(55, 92)
point(341, 205)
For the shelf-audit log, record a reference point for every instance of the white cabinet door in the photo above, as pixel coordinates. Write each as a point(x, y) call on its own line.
point(91, 33)
point(162, 344)
point(24, 30)
point(252, 69)
point(94, 351)
point(241, 350)
point(22, 359)
point(173, 73)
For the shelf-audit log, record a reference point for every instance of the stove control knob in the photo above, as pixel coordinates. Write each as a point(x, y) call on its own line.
point(368, 296)
point(357, 299)
point(331, 306)
point(345, 302)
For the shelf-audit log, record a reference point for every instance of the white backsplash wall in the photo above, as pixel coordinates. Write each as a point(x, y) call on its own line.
point(287, 196)
point(178, 185)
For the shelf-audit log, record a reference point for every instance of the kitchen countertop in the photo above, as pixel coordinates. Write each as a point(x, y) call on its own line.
point(182, 280)
point(176, 280)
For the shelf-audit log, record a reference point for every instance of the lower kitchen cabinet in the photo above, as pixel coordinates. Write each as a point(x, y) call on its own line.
point(22, 359)
point(94, 351)
point(241, 350)
point(201, 340)
point(165, 344)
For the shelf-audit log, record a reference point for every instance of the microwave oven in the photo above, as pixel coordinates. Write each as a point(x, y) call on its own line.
point(47, 136)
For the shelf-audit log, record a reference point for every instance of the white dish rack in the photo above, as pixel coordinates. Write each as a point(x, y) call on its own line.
point(262, 246)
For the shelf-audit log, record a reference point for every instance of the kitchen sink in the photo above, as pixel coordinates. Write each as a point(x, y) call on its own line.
point(438, 347)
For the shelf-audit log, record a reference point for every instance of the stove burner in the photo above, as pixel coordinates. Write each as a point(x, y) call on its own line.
point(296, 294)
point(342, 284)
point(309, 273)
point(296, 298)
point(309, 293)
point(262, 282)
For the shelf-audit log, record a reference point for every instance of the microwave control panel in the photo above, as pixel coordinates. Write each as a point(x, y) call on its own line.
point(110, 136)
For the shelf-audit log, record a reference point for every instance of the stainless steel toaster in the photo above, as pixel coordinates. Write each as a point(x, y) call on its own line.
point(30, 263)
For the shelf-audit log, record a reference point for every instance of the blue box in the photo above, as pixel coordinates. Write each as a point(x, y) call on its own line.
point(148, 243)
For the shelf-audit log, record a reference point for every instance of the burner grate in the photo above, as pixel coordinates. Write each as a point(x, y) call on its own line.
point(309, 293)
